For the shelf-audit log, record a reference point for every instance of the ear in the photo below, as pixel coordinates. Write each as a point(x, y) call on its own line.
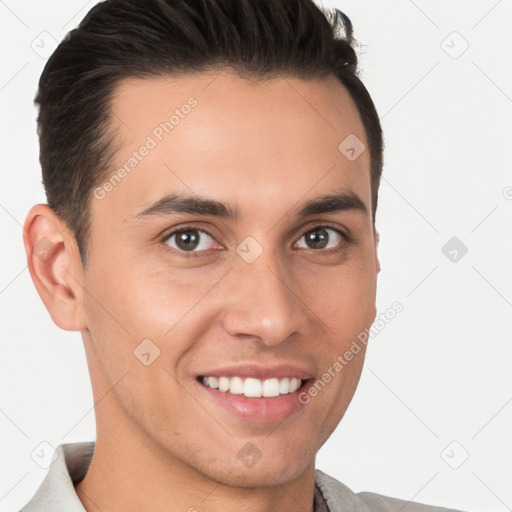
point(55, 266)
point(377, 240)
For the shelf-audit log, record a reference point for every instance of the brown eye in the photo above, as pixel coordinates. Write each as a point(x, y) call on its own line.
point(189, 240)
point(319, 238)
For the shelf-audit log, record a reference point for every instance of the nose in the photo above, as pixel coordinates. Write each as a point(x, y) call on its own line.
point(264, 301)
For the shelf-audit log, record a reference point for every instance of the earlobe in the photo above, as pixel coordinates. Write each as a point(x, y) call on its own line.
point(377, 240)
point(55, 267)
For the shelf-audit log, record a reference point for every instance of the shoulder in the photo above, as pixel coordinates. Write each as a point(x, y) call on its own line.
point(57, 493)
point(338, 497)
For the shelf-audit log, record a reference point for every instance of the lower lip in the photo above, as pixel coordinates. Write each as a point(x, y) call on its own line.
point(260, 410)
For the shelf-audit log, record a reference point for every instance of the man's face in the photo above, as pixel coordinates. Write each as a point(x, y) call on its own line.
point(268, 288)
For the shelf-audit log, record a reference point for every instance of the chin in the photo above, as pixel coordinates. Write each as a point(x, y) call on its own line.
point(267, 471)
point(263, 476)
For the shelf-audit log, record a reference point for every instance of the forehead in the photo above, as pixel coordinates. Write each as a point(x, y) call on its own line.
point(219, 135)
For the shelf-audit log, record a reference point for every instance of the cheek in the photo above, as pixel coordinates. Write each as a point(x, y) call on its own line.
point(344, 298)
point(135, 328)
point(169, 306)
point(141, 299)
point(145, 322)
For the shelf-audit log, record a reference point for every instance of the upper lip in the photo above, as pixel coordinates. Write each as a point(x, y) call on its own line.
point(261, 372)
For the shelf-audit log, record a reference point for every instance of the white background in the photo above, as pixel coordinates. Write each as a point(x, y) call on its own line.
point(441, 370)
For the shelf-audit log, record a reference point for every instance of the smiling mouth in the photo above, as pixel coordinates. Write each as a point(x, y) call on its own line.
point(252, 387)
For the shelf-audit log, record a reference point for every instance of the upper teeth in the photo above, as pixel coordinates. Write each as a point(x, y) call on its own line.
point(254, 388)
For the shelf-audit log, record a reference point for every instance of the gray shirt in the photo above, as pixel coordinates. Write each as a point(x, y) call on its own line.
point(71, 461)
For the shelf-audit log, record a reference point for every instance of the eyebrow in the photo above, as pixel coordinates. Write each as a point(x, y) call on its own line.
point(178, 203)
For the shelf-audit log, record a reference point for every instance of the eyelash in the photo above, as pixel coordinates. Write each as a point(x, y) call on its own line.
point(195, 254)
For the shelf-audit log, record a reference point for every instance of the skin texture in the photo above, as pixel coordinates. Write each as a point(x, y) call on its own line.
point(266, 148)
